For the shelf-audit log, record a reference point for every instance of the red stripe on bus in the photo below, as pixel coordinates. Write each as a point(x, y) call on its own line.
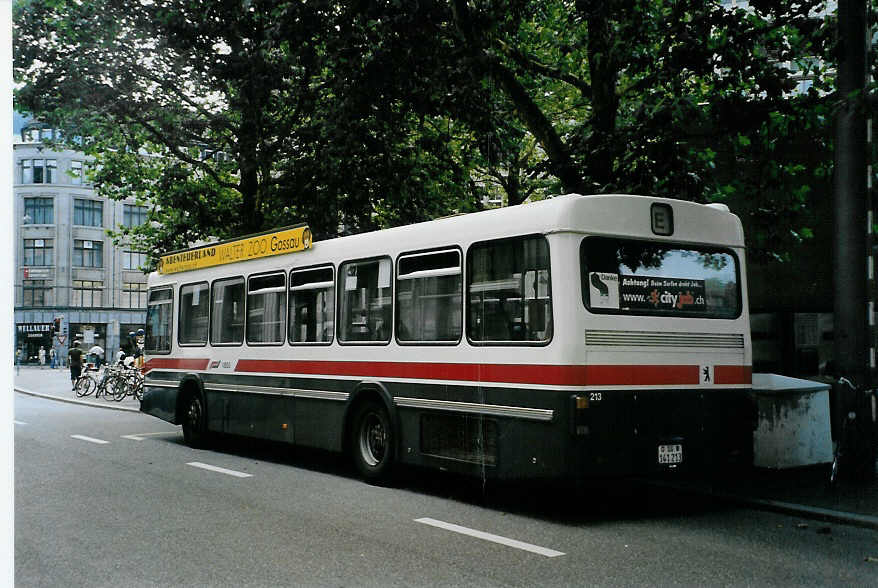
point(642, 375)
point(733, 374)
point(170, 363)
point(557, 375)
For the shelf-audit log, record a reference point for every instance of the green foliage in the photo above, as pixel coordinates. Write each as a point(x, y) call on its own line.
point(268, 112)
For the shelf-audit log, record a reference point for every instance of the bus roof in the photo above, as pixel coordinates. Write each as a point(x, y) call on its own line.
point(620, 215)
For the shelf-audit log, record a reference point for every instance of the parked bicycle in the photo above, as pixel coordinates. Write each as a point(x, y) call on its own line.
point(131, 383)
point(103, 382)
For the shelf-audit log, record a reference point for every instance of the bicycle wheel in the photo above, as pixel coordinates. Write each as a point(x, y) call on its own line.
point(120, 387)
point(135, 384)
point(84, 386)
point(138, 388)
point(104, 388)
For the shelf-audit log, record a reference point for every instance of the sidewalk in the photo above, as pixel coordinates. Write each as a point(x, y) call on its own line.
point(55, 384)
point(801, 492)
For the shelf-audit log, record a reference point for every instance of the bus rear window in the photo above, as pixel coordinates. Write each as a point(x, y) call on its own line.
point(624, 276)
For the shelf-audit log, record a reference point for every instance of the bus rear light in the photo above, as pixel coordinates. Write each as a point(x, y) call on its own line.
point(579, 415)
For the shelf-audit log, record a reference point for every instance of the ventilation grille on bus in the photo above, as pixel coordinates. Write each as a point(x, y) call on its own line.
point(648, 339)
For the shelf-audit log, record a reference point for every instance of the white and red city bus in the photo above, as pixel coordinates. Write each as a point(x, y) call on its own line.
point(579, 336)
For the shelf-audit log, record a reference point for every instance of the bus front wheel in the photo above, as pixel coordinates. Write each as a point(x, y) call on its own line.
point(372, 442)
point(194, 421)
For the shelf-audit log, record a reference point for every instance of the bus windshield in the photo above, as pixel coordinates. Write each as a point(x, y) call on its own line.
point(625, 276)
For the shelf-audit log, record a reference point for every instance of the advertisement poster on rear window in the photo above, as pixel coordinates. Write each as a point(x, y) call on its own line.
point(658, 293)
point(647, 293)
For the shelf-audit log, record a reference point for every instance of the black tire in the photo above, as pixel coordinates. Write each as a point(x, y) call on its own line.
point(194, 421)
point(373, 442)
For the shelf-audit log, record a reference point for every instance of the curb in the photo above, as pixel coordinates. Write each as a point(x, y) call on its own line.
point(809, 512)
point(778, 506)
point(76, 400)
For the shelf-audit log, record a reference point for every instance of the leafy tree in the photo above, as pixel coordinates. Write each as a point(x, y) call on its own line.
point(643, 96)
point(196, 106)
point(384, 112)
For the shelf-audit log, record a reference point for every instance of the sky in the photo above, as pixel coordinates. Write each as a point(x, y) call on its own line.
point(18, 121)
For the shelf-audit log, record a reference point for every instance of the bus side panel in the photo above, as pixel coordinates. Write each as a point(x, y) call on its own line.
point(227, 412)
point(318, 423)
point(262, 416)
point(160, 402)
point(496, 447)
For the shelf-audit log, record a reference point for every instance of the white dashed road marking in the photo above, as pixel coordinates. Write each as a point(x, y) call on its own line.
point(142, 436)
point(490, 537)
point(89, 439)
point(19, 422)
point(205, 466)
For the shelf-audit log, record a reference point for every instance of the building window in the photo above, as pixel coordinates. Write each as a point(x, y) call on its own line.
point(133, 216)
point(132, 260)
point(36, 293)
point(39, 211)
point(88, 294)
point(38, 171)
point(133, 295)
point(78, 170)
point(88, 212)
point(38, 251)
point(88, 253)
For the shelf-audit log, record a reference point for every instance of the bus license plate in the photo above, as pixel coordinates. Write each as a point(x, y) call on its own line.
point(670, 454)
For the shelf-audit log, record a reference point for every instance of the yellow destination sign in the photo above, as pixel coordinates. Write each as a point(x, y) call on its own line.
point(283, 241)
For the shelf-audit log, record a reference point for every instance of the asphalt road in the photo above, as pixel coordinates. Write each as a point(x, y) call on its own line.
point(107, 498)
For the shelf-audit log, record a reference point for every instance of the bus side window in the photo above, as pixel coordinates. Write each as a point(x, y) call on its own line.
point(266, 308)
point(193, 314)
point(508, 290)
point(428, 297)
point(227, 316)
point(312, 305)
point(365, 301)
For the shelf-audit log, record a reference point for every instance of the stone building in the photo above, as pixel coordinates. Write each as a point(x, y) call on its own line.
point(71, 282)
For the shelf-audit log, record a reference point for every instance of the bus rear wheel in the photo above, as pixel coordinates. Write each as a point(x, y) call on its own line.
point(194, 421)
point(373, 442)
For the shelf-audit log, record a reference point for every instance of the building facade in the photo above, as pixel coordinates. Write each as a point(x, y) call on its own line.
point(71, 282)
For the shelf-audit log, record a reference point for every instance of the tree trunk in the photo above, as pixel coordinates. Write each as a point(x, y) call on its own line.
point(605, 101)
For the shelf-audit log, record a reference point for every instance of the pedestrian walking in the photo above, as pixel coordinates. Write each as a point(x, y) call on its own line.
point(52, 357)
point(74, 360)
point(42, 356)
point(18, 361)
